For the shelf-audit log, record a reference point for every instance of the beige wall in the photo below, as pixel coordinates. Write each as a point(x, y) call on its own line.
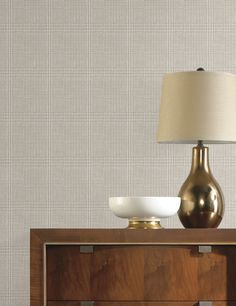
point(79, 92)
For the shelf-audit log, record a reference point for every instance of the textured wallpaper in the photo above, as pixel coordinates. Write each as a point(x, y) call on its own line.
point(79, 98)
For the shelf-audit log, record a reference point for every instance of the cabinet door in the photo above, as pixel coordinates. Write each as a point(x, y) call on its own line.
point(122, 273)
point(217, 274)
point(141, 273)
point(129, 304)
point(61, 303)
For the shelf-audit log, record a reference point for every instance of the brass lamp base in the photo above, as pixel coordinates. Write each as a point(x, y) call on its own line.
point(144, 224)
point(202, 202)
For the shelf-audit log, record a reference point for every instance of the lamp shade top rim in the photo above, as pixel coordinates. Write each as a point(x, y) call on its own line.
point(195, 141)
point(203, 73)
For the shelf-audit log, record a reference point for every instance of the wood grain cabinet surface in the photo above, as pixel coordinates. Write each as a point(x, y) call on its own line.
point(60, 303)
point(133, 267)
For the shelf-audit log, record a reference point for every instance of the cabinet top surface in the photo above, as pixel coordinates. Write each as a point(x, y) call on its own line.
point(127, 236)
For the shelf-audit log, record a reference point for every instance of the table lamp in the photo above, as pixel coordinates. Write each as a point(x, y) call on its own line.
point(199, 107)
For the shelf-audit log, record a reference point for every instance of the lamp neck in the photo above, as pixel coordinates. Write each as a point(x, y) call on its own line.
point(200, 158)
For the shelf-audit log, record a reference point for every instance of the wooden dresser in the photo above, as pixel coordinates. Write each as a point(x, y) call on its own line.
point(101, 267)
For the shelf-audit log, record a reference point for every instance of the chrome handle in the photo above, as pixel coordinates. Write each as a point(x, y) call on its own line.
point(204, 248)
point(205, 303)
point(86, 249)
point(86, 303)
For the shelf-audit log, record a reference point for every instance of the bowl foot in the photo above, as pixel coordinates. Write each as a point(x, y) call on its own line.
point(144, 224)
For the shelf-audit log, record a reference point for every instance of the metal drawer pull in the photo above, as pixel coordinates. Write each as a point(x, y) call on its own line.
point(86, 249)
point(204, 249)
point(86, 303)
point(205, 303)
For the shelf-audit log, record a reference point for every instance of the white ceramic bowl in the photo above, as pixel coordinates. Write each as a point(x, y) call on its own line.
point(144, 208)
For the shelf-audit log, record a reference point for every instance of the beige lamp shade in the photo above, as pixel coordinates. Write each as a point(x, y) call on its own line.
point(198, 105)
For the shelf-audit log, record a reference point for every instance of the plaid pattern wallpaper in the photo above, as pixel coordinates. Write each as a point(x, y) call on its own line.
point(79, 98)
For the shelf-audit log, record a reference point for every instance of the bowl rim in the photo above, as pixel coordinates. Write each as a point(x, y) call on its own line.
point(145, 197)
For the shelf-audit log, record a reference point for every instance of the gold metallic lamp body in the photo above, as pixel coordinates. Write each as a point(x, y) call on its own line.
point(202, 202)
